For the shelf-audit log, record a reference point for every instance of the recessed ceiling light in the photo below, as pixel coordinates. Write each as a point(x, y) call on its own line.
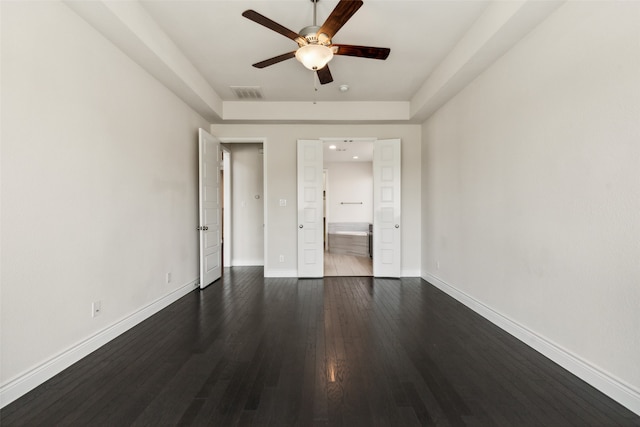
point(355, 157)
point(344, 88)
point(332, 147)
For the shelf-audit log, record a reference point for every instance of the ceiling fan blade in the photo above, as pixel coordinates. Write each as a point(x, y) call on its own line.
point(272, 25)
point(324, 75)
point(341, 14)
point(362, 51)
point(275, 59)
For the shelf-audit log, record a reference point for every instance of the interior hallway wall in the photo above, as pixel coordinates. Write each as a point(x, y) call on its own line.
point(531, 189)
point(99, 189)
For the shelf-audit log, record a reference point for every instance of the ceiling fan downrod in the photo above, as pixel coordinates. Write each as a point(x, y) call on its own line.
point(315, 4)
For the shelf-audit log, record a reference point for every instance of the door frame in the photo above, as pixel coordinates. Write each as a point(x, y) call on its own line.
point(325, 201)
point(227, 238)
point(251, 140)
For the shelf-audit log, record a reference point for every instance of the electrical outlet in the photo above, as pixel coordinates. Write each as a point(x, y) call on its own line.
point(283, 202)
point(281, 258)
point(96, 308)
point(169, 277)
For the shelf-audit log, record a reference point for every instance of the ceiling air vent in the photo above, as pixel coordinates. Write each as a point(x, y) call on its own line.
point(247, 92)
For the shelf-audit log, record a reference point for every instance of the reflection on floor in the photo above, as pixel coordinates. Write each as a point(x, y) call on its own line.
point(347, 265)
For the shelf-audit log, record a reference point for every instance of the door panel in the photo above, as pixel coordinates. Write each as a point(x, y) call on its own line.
point(310, 204)
point(209, 209)
point(386, 205)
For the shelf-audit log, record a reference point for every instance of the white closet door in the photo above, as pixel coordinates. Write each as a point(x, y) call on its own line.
point(386, 205)
point(310, 225)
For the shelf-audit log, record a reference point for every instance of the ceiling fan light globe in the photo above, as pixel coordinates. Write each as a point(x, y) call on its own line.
point(314, 56)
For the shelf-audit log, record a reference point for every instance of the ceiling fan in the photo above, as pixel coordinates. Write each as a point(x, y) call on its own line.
point(315, 47)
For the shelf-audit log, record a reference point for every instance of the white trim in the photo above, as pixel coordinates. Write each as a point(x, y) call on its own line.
point(325, 203)
point(265, 205)
point(248, 263)
point(280, 273)
point(243, 140)
point(410, 273)
point(370, 139)
point(618, 390)
point(227, 240)
point(46, 370)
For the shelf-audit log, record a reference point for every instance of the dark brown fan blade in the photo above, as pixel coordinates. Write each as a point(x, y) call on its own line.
point(341, 14)
point(275, 59)
point(272, 25)
point(324, 75)
point(362, 51)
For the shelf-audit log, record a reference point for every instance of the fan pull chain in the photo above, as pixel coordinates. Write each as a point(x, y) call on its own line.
point(315, 87)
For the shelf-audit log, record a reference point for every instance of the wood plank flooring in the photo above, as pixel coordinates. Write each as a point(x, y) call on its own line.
point(347, 265)
point(324, 352)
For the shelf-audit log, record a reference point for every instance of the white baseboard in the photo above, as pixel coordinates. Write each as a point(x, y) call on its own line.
point(294, 273)
point(41, 373)
point(410, 273)
point(613, 387)
point(268, 272)
point(247, 263)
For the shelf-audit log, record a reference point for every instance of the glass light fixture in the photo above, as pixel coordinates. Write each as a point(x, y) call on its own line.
point(314, 56)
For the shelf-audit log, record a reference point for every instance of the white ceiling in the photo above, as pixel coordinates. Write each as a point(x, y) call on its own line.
point(222, 45)
point(199, 49)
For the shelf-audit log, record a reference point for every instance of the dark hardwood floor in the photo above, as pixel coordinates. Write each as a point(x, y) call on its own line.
point(348, 351)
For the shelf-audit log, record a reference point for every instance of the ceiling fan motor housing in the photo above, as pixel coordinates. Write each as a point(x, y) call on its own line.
point(311, 35)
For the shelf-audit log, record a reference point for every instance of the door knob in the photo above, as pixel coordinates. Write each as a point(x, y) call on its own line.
point(397, 225)
point(300, 226)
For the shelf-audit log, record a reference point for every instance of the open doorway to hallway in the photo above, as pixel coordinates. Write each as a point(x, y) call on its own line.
point(243, 207)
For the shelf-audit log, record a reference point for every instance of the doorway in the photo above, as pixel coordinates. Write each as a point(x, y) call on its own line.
point(387, 233)
point(348, 207)
point(243, 203)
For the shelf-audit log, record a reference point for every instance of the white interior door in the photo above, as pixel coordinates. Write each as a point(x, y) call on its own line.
point(209, 202)
point(386, 208)
point(310, 207)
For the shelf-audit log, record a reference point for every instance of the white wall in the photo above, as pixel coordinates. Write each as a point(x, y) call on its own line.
point(350, 182)
point(531, 191)
point(247, 211)
point(99, 189)
point(280, 152)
